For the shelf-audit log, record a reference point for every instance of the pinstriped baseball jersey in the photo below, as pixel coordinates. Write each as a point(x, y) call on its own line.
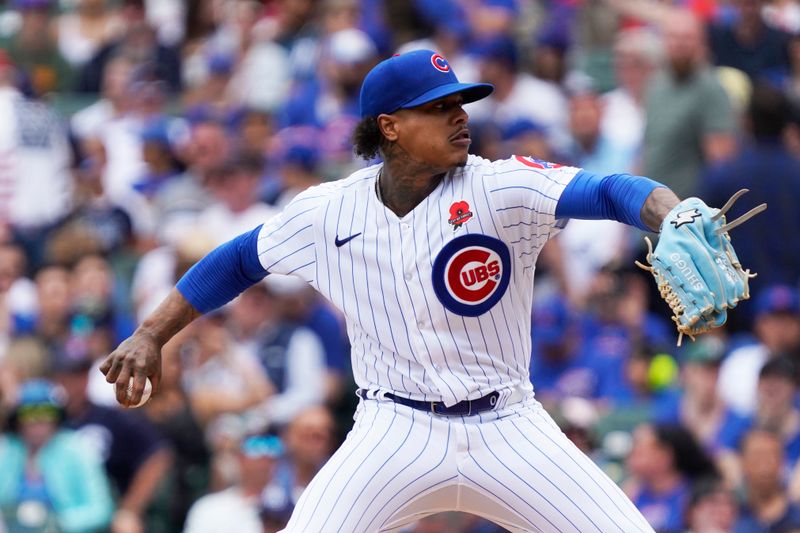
point(437, 302)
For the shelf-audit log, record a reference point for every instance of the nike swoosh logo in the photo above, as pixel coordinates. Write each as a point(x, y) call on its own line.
point(341, 242)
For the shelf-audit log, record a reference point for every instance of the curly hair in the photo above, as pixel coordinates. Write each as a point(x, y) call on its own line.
point(368, 139)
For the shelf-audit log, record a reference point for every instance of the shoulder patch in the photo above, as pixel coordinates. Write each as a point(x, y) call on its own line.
point(532, 162)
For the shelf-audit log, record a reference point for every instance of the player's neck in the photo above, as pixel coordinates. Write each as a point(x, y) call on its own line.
point(402, 184)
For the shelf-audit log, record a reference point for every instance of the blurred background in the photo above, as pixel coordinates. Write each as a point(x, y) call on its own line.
point(139, 134)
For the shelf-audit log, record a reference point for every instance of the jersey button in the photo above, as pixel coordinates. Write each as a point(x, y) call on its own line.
point(408, 276)
point(405, 226)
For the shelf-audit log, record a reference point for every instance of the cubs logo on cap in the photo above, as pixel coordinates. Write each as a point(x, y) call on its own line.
point(440, 63)
point(412, 79)
point(471, 273)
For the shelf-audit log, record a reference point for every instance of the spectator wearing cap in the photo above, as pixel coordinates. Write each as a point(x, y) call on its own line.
point(777, 331)
point(34, 49)
point(49, 478)
point(135, 456)
point(518, 94)
point(211, 86)
point(330, 100)
point(766, 506)
point(207, 147)
point(690, 121)
point(310, 439)
point(767, 167)
point(235, 185)
point(298, 160)
point(776, 411)
point(240, 505)
point(524, 136)
point(161, 166)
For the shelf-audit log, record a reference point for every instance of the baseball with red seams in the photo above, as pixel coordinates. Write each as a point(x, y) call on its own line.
point(148, 390)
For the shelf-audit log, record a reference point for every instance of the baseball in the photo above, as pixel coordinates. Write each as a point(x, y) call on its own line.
point(148, 390)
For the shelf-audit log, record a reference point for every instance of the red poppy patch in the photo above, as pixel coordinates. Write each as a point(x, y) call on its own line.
point(459, 214)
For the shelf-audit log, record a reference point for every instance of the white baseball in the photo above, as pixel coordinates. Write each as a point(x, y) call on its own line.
point(148, 390)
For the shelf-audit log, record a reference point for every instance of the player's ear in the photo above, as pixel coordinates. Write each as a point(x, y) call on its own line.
point(388, 126)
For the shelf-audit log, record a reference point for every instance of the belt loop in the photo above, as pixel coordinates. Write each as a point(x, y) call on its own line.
point(502, 398)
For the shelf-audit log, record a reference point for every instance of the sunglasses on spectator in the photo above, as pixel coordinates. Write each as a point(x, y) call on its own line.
point(37, 413)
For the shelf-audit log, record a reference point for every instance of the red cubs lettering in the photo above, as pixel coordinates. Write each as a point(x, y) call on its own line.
point(462, 280)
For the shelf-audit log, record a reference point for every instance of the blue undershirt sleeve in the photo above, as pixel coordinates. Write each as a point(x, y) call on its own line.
point(617, 197)
point(224, 273)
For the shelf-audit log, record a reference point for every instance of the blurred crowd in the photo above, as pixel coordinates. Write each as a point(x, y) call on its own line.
point(137, 135)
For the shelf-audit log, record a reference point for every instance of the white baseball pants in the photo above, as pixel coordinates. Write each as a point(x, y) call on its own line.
point(512, 466)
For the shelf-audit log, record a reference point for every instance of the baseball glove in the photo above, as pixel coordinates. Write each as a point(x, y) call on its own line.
point(695, 266)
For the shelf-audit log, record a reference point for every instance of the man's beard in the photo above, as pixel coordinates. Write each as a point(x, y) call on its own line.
point(682, 69)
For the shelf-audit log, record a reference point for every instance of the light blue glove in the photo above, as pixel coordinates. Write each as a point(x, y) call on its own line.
point(695, 266)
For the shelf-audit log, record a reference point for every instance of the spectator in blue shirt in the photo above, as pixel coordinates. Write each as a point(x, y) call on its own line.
point(766, 507)
point(664, 461)
point(46, 471)
point(699, 408)
point(776, 411)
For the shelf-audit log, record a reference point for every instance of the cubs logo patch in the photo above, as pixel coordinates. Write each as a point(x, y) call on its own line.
point(440, 63)
point(471, 274)
point(685, 217)
point(459, 214)
point(536, 163)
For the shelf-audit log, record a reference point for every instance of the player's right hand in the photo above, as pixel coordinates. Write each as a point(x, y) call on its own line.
point(139, 357)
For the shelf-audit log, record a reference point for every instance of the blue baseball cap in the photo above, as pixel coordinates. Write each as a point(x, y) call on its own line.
point(412, 79)
point(256, 446)
point(777, 299)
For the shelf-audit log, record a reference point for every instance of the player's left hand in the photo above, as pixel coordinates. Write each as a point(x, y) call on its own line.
point(695, 265)
point(137, 357)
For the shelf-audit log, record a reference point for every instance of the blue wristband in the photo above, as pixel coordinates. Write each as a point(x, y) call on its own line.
point(224, 273)
point(617, 197)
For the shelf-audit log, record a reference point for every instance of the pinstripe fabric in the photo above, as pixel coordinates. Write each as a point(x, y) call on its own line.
point(423, 328)
point(403, 339)
point(512, 466)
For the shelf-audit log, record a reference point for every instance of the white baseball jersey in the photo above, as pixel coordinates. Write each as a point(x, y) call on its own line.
point(438, 309)
point(437, 302)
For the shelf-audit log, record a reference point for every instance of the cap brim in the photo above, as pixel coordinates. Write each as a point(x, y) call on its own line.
point(471, 92)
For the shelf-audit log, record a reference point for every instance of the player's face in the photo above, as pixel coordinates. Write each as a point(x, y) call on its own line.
point(435, 133)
